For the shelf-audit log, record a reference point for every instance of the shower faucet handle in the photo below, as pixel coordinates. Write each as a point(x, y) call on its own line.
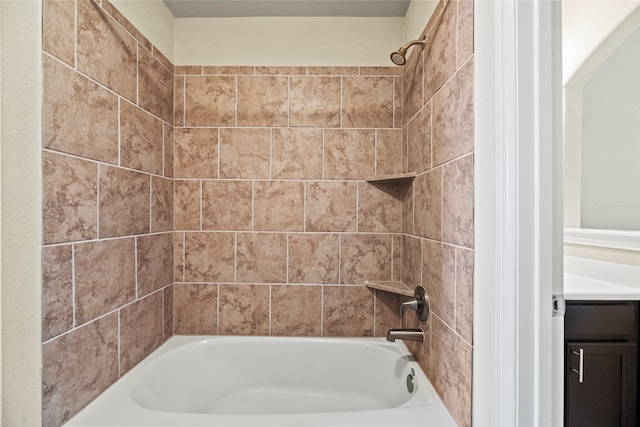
point(420, 304)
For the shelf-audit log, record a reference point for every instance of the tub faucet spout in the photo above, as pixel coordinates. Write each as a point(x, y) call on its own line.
point(406, 334)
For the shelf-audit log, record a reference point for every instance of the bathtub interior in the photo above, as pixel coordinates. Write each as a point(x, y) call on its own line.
point(276, 376)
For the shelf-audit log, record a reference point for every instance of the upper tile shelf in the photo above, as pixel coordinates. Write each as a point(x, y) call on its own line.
point(394, 287)
point(392, 178)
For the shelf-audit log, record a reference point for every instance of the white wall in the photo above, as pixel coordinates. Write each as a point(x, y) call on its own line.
point(20, 204)
point(287, 41)
point(417, 17)
point(484, 292)
point(610, 184)
point(153, 19)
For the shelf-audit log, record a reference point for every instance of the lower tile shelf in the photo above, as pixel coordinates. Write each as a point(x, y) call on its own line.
point(391, 286)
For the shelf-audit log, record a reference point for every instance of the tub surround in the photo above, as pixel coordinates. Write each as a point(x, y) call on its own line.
point(227, 200)
point(107, 202)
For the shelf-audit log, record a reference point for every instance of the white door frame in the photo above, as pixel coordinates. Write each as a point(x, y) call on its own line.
point(517, 221)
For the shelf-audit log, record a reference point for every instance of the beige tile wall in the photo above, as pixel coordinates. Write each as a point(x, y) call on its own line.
point(255, 204)
point(275, 228)
point(107, 202)
point(437, 207)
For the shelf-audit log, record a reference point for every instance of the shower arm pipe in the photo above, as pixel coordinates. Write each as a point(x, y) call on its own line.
point(422, 41)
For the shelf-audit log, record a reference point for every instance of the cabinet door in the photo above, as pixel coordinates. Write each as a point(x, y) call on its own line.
point(601, 384)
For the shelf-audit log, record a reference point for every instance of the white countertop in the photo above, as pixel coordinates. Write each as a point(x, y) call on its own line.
point(586, 279)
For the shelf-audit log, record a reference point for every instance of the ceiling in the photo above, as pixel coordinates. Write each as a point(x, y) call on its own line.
point(243, 8)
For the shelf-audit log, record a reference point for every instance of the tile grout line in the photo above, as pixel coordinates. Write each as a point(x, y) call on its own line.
point(455, 289)
point(73, 287)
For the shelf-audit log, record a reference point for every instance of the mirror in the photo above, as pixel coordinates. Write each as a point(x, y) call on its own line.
point(601, 69)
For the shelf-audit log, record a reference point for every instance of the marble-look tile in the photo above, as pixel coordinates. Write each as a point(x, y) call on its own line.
point(105, 51)
point(421, 351)
point(407, 207)
point(279, 71)
point(296, 310)
point(365, 257)
point(331, 206)
point(428, 204)
point(332, 71)
point(209, 257)
point(179, 101)
point(187, 205)
point(167, 314)
point(405, 149)
point(413, 87)
point(77, 367)
point(244, 310)
point(155, 86)
point(296, 153)
point(347, 311)
point(155, 262)
point(440, 52)
point(465, 30)
point(439, 278)
point(58, 29)
point(261, 258)
point(162, 59)
point(457, 205)
point(57, 290)
point(279, 206)
point(419, 141)
point(196, 153)
point(70, 189)
point(263, 101)
point(396, 266)
point(141, 139)
point(178, 257)
point(105, 277)
point(349, 154)
point(453, 117)
point(245, 153)
point(195, 308)
point(226, 205)
point(464, 293)
point(186, 70)
point(124, 202)
point(379, 207)
point(398, 102)
point(210, 101)
point(68, 96)
point(120, 19)
point(140, 330)
point(411, 261)
point(314, 101)
point(388, 151)
point(367, 102)
point(226, 70)
point(161, 204)
point(168, 151)
point(387, 312)
point(381, 71)
point(313, 258)
point(451, 371)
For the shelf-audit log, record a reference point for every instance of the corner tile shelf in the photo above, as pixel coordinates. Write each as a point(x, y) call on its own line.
point(392, 178)
point(394, 287)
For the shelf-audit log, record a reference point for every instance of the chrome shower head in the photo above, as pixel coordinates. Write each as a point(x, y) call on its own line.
point(399, 57)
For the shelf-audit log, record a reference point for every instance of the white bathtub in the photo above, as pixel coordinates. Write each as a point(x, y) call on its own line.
point(270, 381)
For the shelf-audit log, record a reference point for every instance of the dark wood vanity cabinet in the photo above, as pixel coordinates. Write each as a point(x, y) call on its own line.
point(601, 363)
